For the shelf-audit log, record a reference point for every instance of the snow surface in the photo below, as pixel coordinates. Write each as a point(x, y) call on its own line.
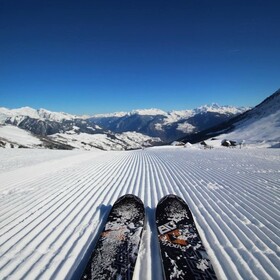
point(18, 136)
point(53, 207)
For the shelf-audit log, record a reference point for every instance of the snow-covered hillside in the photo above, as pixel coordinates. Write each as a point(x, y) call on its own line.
point(53, 206)
point(265, 130)
point(14, 137)
point(260, 125)
point(108, 142)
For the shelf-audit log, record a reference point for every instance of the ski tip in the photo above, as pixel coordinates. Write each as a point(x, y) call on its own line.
point(129, 197)
point(172, 197)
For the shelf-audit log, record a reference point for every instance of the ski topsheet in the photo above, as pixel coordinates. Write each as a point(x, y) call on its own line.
point(183, 254)
point(116, 250)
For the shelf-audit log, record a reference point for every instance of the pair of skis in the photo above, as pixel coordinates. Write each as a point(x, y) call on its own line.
point(182, 252)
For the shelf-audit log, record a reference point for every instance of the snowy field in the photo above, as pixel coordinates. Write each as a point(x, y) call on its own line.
point(53, 205)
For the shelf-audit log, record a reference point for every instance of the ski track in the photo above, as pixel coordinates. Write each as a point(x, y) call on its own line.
point(52, 210)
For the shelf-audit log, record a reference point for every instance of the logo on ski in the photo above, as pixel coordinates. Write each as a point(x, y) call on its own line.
point(167, 227)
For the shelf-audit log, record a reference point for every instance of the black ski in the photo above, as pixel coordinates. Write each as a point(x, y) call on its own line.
point(182, 252)
point(116, 250)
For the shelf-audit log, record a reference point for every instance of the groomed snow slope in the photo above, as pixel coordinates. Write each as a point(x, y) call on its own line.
point(52, 210)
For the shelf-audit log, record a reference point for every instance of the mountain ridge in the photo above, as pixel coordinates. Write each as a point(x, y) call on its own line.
point(43, 113)
point(134, 129)
point(155, 123)
point(170, 125)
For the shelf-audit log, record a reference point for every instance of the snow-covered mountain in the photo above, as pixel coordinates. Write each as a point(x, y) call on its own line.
point(43, 122)
point(41, 114)
point(258, 125)
point(167, 125)
point(27, 127)
point(115, 131)
point(14, 137)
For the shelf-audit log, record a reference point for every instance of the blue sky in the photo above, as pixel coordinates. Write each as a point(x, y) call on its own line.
point(99, 56)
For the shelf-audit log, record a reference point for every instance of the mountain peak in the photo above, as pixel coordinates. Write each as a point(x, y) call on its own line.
point(25, 111)
point(111, 115)
point(55, 116)
point(216, 108)
point(148, 112)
